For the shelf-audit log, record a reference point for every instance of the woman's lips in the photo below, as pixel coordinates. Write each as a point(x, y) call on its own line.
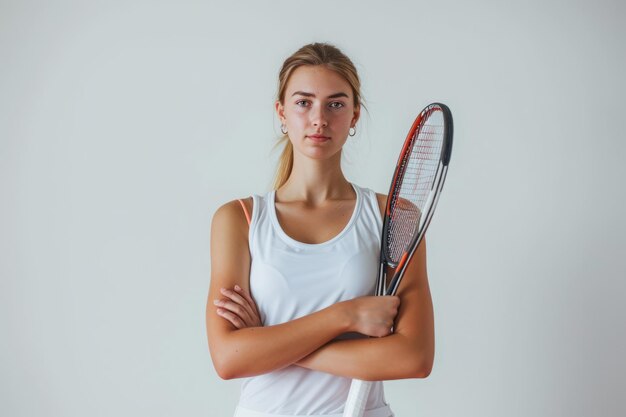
point(318, 138)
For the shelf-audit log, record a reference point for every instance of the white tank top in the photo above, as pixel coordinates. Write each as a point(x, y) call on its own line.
point(290, 279)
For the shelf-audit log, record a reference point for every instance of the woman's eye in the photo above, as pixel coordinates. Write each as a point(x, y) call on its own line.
point(301, 103)
point(336, 105)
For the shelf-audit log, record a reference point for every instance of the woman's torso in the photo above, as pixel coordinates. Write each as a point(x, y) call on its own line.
point(290, 279)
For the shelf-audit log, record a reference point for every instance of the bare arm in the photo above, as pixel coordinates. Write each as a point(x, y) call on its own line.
point(256, 350)
point(411, 347)
point(408, 353)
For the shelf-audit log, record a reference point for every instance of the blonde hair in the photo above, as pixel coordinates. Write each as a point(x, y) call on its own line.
point(312, 54)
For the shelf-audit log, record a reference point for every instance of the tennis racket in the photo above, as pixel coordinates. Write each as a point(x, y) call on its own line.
point(415, 188)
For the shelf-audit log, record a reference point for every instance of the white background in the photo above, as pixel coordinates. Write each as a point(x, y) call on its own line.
point(125, 124)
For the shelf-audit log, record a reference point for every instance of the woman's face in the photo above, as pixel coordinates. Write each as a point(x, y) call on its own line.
point(318, 111)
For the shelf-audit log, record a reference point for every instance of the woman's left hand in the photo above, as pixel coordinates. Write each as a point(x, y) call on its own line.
point(238, 307)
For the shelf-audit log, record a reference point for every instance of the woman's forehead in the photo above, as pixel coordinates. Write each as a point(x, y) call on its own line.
point(318, 81)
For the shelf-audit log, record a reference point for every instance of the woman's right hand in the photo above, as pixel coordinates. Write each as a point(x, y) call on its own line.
point(373, 316)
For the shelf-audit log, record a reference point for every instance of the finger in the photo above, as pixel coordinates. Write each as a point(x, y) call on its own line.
point(246, 294)
point(238, 299)
point(232, 318)
point(235, 308)
point(234, 296)
point(253, 310)
point(394, 299)
point(246, 312)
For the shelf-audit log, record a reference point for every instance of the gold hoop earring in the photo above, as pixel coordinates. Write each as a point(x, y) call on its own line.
point(352, 131)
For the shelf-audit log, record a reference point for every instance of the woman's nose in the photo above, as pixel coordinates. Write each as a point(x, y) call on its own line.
point(318, 118)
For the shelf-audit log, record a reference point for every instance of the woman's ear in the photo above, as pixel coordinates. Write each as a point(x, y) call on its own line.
point(280, 111)
point(357, 114)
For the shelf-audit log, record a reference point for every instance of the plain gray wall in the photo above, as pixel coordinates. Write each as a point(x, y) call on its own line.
point(125, 124)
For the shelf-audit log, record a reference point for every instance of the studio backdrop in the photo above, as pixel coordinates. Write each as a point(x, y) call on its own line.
point(124, 125)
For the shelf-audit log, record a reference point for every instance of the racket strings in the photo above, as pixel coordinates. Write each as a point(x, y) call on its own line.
point(411, 195)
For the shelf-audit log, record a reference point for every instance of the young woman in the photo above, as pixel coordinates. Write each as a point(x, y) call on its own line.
point(290, 305)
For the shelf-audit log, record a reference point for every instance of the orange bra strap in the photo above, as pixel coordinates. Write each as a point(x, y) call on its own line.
point(245, 210)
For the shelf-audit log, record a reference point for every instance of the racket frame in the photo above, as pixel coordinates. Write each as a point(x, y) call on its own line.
point(437, 184)
point(359, 389)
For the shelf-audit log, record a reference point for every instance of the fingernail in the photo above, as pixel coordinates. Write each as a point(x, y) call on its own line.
point(220, 311)
point(237, 287)
point(216, 302)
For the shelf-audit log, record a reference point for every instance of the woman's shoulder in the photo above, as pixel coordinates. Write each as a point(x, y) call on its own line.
point(233, 214)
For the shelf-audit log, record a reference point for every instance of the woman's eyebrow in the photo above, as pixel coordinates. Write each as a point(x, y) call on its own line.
point(305, 94)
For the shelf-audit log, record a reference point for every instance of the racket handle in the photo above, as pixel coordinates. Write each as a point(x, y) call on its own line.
point(357, 398)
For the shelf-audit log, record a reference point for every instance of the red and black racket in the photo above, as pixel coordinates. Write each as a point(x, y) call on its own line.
point(415, 188)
